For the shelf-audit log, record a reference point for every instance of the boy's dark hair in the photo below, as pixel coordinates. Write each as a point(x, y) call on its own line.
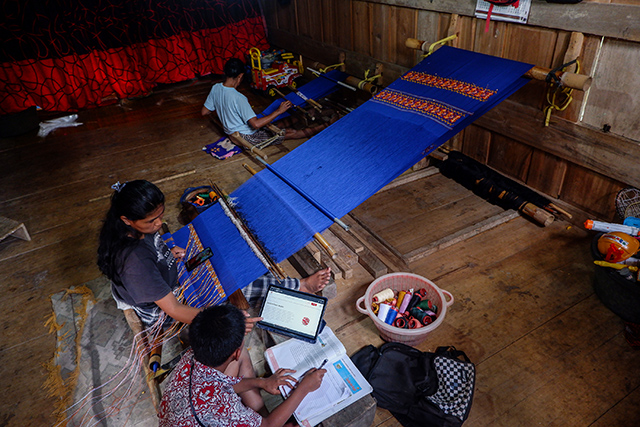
point(233, 68)
point(215, 333)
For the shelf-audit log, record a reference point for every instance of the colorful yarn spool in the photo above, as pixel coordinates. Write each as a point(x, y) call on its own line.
point(391, 317)
point(383, 295)
point(427, 305)
point(421, 316)
point(414, 324)
point(415, 299)
point(401, 322)
point(422, 292)
point(375, 307)
point(401, 295)
point(383, 312)
point(405, 302)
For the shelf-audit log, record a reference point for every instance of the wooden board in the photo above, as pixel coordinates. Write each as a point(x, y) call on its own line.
point(614, 86)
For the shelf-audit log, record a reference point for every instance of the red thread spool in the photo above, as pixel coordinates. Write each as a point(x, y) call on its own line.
point(413, 323)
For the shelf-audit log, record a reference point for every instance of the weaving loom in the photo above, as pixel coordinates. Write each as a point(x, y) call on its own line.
point(348, 162)
point(315, 89)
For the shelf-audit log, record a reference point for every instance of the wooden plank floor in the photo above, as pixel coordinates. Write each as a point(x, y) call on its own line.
point(547, 351)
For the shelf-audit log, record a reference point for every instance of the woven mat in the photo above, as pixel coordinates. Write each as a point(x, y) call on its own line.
point(94, 344)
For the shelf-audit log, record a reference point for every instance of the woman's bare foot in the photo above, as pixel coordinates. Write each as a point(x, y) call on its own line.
point(316, 282)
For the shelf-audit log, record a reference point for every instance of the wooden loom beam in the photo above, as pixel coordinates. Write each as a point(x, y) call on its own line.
point(353, 81)
point(567, 79)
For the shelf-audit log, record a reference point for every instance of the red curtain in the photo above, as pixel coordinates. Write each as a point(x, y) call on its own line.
point(181, 43)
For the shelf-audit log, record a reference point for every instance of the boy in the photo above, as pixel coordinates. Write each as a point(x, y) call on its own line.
point(205, 389)
point(236, 114)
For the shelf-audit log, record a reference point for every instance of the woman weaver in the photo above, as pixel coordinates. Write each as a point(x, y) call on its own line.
point(143, 270)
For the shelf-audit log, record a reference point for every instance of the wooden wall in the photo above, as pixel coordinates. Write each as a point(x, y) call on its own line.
point(587, 153)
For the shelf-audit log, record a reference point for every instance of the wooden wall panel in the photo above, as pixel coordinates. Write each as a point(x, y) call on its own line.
point(286, 17)
point(361, 27)
point(590, 191)
point(329, 22)
point(476, 141)
point(426, 29)
point(467, 32)
point(492, 42)
point(406, 23)
point(535, 46)
point(614, 98)
point(546, 173)
point(309, 17)
point(344, 24)
point(510, 157)
point(382, 30)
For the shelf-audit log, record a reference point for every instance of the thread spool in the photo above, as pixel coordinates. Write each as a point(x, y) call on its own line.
point(415, 299)
point(422, 292)
point(427, 305)
point(405, 302)
point(383, 295)
point(375, 307)
point(401, 322)
point(431, 314)
point(401, 295)
point(391, 317)
point(383, 312)
point(421, 316)
point(154, 362)
point(414, 324)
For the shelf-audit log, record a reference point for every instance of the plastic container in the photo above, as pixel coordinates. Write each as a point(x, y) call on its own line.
point(618, 294)
point(402, 282)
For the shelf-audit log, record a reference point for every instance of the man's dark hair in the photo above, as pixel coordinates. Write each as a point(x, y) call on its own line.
point(233, 68)
point(215, 333)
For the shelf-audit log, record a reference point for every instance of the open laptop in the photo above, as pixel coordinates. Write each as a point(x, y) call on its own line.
point(293, 313)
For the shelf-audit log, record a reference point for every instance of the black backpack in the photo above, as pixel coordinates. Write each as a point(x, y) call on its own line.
point(420, 389)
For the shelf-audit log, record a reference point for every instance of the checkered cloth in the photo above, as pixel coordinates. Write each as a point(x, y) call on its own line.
point(256, 290)
point(456, 380)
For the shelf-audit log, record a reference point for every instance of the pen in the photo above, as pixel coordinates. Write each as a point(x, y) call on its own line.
point(324, 362)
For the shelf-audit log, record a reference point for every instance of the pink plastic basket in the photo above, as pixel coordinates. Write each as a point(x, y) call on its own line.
point(403, 282)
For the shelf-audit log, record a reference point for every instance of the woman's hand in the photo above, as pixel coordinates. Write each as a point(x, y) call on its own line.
point(178, 253)
point(280, 377)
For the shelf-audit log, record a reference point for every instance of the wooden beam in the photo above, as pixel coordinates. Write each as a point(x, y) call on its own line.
point(460, 236)
point(605, 153)
point(600, 19)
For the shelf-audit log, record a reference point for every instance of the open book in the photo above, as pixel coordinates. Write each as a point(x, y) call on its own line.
point(342, 385)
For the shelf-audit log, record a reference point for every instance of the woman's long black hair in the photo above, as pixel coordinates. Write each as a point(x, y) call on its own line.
point(134, 200)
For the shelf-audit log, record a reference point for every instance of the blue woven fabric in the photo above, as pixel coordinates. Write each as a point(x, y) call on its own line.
point(349, 161)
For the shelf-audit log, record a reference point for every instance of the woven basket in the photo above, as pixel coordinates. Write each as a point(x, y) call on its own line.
point(403, 282)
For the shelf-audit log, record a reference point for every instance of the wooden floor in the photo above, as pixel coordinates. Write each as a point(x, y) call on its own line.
point(548, 353)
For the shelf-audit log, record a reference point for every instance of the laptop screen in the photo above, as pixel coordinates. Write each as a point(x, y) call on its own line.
point(292, 313)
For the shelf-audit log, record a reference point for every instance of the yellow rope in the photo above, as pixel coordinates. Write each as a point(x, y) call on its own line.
point(368, 79)
point(559, 97)
point(330, 67)
point(433, 46)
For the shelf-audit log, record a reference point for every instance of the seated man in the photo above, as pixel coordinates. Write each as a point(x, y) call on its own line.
point(236, 113)
point(205, 388)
